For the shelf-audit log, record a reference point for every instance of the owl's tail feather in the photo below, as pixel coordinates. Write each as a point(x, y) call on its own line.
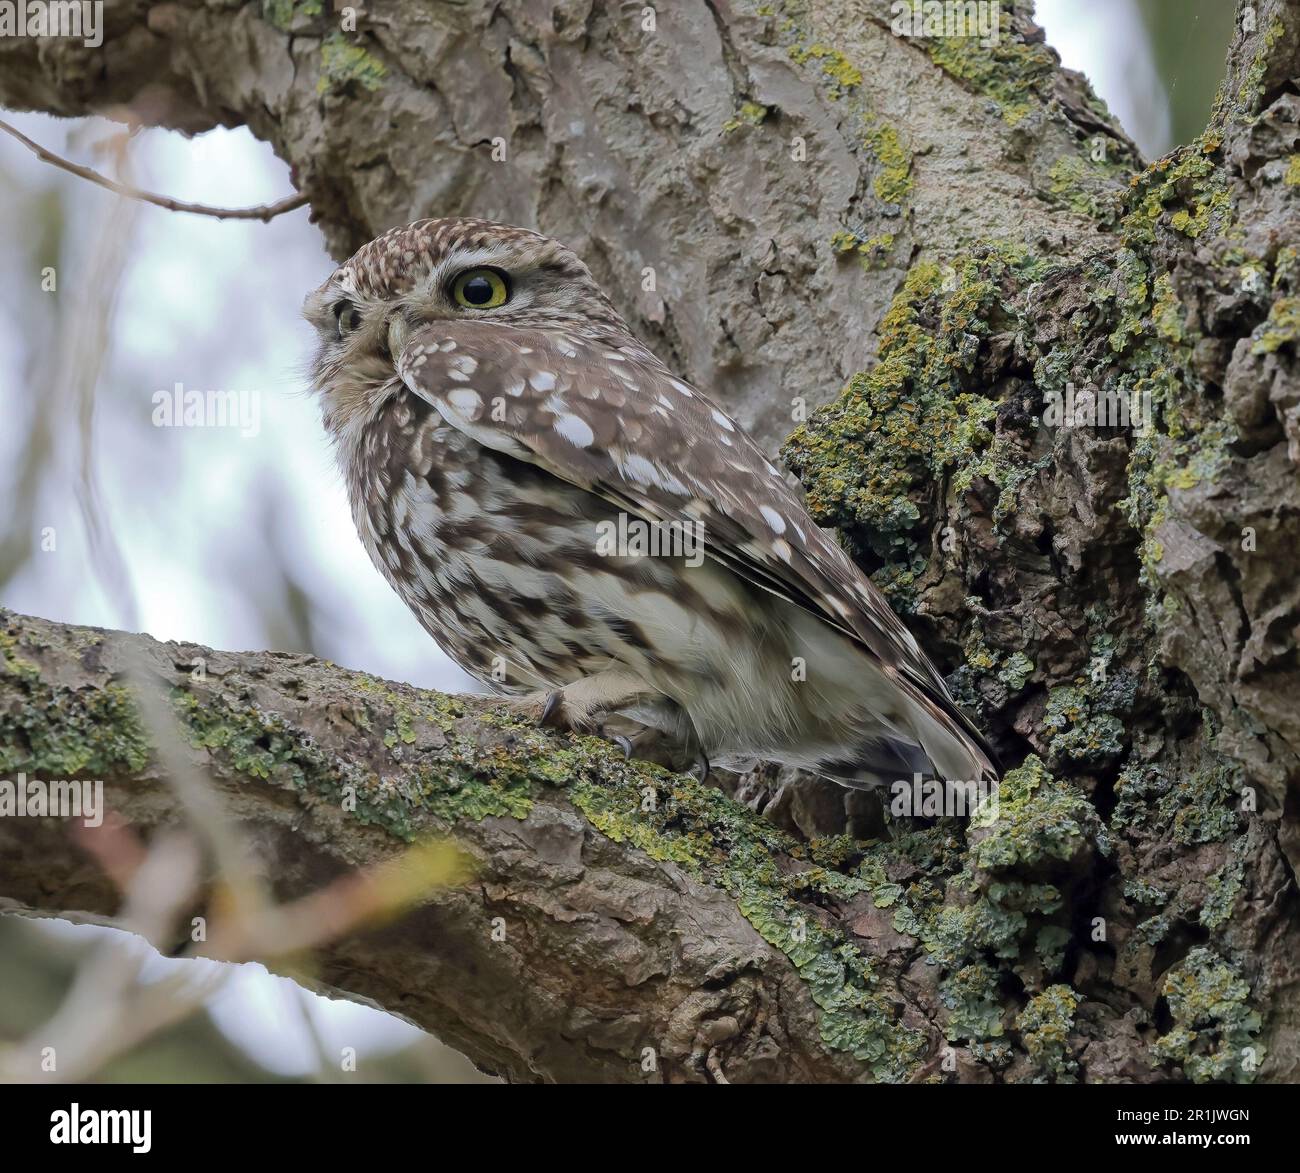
point(944, 746)
point(877, 761)
point(958, 750)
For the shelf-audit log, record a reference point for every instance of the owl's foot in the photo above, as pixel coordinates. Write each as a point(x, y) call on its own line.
point(682, 755)
point(551, 712)
point(597, 704)
point(579, 707)
point(561, 710)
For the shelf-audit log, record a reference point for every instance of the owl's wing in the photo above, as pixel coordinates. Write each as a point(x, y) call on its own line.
point(617, 423)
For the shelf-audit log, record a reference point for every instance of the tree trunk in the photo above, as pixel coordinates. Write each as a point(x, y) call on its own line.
point(784, 200)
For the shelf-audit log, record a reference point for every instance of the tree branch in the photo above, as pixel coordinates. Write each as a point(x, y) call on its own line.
point(263, 212)
point(570, 955)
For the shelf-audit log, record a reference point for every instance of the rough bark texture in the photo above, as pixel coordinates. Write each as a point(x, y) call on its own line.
point(600, 950)
point(1119, 606)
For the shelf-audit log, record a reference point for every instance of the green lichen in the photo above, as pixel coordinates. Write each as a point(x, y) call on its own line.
point(1167, 314)
point(1016, 670)
point(1044, 1025)
point(893, 182)
point(875, 249)
point(345, 64)
point(1015, 76)
point(991, 901)
point(994, 1055)
point(281, 13)
point(1153, 930)
point(1185, 191)
point(259, 745)
point(749, 114)
point(1186, 455)
point(833, 851)
point(1284, 271)
point(978, 654)
point(1086, 188)
point(986, 664)
point(871, 251)
point(1213, 1036)
point(1280, 329)
point(1038, 820)
point(1184, 194)
point(1224, 888)
point(1199, 807)
point(57, 733)
point(1251, 92)
point(502, 785)
point(678, 819)
point(1142, 891)
point(453, 779)
point(402, 732)
point(970, 996)
point(13, 663)
point(1085, 722)
point(870, 459)
point(1292, 176)
point(1050, 946)
point(1129, 292)
point(836, 68)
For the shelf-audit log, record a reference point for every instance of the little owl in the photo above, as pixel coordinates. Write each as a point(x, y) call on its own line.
point(494, 416)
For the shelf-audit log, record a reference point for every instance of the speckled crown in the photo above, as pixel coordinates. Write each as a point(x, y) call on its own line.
point(393, 263)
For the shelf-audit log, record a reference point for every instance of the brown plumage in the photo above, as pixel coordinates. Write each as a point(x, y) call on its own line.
point(496, 422)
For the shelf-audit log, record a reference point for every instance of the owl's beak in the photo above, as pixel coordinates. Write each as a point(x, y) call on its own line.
point(397, 332)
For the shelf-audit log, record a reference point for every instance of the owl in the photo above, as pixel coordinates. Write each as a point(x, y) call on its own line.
point(583, 530)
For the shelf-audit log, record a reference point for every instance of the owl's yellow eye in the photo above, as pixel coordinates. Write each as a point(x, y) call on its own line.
point(480, 289)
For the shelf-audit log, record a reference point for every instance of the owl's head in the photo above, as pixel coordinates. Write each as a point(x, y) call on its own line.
point(454, 269)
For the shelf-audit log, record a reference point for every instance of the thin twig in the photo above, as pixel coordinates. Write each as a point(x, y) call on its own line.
point(263, 212)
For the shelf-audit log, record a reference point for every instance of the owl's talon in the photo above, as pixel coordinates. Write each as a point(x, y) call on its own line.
point(623, 743)
point(553, 710)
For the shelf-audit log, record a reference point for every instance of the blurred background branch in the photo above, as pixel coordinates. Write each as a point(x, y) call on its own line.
point(263, 212)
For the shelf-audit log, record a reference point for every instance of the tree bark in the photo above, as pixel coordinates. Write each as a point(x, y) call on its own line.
point(761, 189)
point(572, 955)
